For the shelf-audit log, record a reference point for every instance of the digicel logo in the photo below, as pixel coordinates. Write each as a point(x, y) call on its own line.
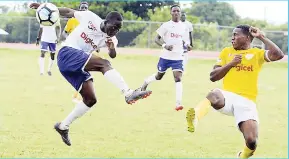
point(173, 35)
point(244, 68)
point(88, 40)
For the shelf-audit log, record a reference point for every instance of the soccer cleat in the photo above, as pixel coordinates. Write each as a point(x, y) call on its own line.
point(239, 154)
point(49, 73)
point(191, 119)
point(144, 86)
point(63, 134)
point(136, 95)
point(179, 108)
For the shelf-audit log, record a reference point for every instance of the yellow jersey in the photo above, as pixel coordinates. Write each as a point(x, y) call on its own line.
point(243, 78)
point(72, 23)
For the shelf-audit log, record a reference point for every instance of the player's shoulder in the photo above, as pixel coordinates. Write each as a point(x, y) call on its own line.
point(227, 50)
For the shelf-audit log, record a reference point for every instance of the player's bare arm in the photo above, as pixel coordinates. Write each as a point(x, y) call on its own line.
point(111, 48)
point(58, 31)
point(63, 11)
point(191, 39)
point(160, 42)
point(274, 52)
point(220, 71)
point(39, 35)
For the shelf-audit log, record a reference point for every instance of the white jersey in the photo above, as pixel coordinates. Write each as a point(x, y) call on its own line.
point(49, 33)
point(189, 29)
point(87, 36)
point(172, 33)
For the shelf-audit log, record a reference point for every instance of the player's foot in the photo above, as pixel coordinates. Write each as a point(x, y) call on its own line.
point(136, 95)
point(49, 73)
point(41, 74)
point(144, 86)
point(191, 119)
point(179, 108)
point(63, 134)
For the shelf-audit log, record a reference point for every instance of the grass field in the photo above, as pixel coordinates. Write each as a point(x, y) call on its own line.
point(31, 104)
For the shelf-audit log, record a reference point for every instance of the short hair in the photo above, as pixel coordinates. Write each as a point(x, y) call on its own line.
point(115, 18)
point(81, 3)
point(175, 5)
point(245, 30)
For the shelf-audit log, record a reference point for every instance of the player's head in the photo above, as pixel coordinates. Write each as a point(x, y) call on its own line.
point(176, 12)
point(241, 37)
point(83, 6)
point(113, 23)
point(183, 16)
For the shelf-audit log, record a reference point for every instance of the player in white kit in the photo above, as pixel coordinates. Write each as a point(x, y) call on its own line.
point(170, 37)
point(75, 60)
point(188, 37)
point(49, 36)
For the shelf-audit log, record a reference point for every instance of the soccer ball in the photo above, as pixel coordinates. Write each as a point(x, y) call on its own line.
point(47, 14)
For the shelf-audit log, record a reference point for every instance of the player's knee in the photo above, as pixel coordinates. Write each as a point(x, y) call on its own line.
point(90, 101)
point(251, 142)
point(177, 79)
point(52, 56)
point(216, 98)
point(159, 76)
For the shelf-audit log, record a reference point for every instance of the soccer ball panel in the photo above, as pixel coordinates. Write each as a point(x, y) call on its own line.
point(47, 14)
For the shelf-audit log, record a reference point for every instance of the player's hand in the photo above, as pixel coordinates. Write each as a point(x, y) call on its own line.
point(169, 47)
point(189, 47)
point(255, 32)
point(37, 41)
point(237, 60)
point(109, 43)
point(34, 5)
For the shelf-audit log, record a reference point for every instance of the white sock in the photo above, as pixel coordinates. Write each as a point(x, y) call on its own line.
point(150, 79)
point(186, 58)
point(41, 64)
point(79, 110)
point(115, 78)
point(179, 93)
point(50, 65)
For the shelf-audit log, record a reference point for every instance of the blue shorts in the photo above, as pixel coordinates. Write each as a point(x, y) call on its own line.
point(51, 46)
point(164, 64)
point(71, 63)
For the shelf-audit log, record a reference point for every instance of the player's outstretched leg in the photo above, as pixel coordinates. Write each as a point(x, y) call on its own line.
point(249, 129)
point(89, 99)
point(179, 90)
point(96, 63)
point(214, 99)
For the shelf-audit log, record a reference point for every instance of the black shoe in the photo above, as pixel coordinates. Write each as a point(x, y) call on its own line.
point(49, 73)
point(63, 134)
point(136, 95)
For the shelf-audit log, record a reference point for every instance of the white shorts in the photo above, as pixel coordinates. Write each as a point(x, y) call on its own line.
point(241, 108)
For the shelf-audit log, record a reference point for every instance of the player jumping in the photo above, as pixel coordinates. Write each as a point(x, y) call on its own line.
point(49, 37)
point(75, 60)
point(239, 65)
point(170, 37)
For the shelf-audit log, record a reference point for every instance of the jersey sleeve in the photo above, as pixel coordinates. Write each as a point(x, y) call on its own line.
point(162, 30)
point(68, 26)
point(262, 55)
point(221, 61)
point(190, 27)
point(83, 16)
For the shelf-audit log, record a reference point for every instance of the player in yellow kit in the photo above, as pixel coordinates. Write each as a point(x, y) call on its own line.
point(239, 67)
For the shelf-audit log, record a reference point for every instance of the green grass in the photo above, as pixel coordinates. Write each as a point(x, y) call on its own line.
point(31, 104)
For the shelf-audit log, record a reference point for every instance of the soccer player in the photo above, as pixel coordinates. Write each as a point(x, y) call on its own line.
point(49, 37)
point(170, 37)
point(188, 37)
point(72, 23)
point(239, 67)
point(75, 61)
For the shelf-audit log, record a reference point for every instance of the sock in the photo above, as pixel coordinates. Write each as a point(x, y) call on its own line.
point(41, 64)
point(79, 110)
point(115, 78)
point(202, 108)
point(246, 153)
point(150, 79)
point(179, 93)
point(50, 65)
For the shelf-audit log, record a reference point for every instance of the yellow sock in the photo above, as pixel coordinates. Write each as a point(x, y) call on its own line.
point(202, 108)
point(246, 153)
